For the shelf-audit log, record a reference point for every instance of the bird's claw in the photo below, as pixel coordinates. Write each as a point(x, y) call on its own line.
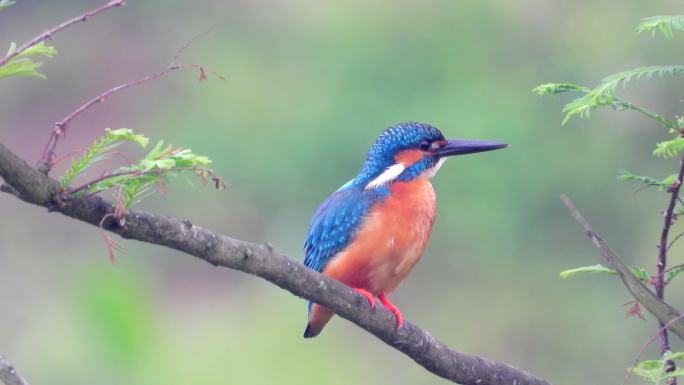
point(367, 295)
point(395, 310)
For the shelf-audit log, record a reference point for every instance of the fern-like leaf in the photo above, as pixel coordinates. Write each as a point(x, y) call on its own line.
point(604, 93)
point(647, 180)
point(669, 148)
point(101, 150)
point(665, 24)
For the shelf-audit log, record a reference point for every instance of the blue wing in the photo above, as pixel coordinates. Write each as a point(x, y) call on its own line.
point(336, 222)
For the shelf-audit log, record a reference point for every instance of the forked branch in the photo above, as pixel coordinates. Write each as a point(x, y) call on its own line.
point(60, 127)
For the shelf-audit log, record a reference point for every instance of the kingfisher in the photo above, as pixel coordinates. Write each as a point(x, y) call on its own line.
point(371, 232)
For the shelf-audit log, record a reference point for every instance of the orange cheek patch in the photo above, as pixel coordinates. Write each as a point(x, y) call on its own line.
point(409, 157)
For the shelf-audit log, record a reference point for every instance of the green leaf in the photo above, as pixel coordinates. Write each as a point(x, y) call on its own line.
point(673, 356)
point(669, 148)
point(586, 269)
point(650, 364)
point(557, 88)
point(665, 24)
point(641, 273)
point(654, 371)
point(652, 376)
point(23, 64)
point(673, 273)
point(126, 135)
point(38, 49)
point(5, 3)
point(647, 180)
point(135, 182)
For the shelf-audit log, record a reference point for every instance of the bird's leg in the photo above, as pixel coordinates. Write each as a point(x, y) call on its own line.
point(367, 295)
point(390, 306)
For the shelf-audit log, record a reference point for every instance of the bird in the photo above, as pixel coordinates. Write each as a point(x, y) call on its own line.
point(371, 232)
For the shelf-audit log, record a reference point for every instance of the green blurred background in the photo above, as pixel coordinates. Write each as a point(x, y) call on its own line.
point(309, 85)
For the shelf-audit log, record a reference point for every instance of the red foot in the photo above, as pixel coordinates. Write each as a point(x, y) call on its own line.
point(366, 294)
point(390, 306)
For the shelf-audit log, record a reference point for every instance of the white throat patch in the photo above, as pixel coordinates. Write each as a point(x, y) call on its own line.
point(432, 171)
point(390, 174)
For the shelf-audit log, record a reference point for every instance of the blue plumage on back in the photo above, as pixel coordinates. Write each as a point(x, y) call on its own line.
point(336, 222)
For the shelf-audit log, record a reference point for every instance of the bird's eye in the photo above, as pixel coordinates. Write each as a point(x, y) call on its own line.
point(424, 145)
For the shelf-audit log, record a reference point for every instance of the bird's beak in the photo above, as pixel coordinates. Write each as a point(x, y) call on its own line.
point(463, 147)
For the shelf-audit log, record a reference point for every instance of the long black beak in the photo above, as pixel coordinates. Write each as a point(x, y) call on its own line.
point(463, 147)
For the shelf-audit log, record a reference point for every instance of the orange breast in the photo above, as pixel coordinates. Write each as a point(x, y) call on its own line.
point(390, 241)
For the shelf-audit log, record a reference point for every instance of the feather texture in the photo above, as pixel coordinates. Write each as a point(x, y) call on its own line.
point(336, 222)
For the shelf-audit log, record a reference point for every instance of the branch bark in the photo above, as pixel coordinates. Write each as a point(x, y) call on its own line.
point(260, 260)
point(666, 314)
point(8, 374)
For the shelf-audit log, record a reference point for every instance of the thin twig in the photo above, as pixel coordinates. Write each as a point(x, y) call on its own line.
point(60, 127)
point(132, 173)
point(50, 32)
point(674, 267)
point(104, 177)
point(675, 240)
point(8, 374)
point(188, 44)
point(622, 103)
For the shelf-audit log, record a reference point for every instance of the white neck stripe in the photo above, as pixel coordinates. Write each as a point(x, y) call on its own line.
point(387, 176)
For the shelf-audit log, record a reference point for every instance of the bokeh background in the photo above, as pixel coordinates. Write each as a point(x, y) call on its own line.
point(309, 85)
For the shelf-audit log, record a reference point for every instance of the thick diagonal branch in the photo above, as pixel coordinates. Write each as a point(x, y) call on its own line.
point(663, 312)
point(260, 260)
point(8, 374)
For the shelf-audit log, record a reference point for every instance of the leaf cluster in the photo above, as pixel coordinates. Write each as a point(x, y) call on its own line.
point(134, 182)
point(605, 94)
point(24, 64)
point(659, 371)
point(665, 24)
point(655, 371)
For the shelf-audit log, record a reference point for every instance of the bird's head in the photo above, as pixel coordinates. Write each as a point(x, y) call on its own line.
point(410, 150)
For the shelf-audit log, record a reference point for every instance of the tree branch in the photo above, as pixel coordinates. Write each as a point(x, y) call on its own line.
point(8, 374)
point(663, 312)
point(260, 260)
point(48, 34)
point(60, 127)
point(668, 220)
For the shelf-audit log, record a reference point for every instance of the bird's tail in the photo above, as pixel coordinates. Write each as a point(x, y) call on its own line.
point(318, 317)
